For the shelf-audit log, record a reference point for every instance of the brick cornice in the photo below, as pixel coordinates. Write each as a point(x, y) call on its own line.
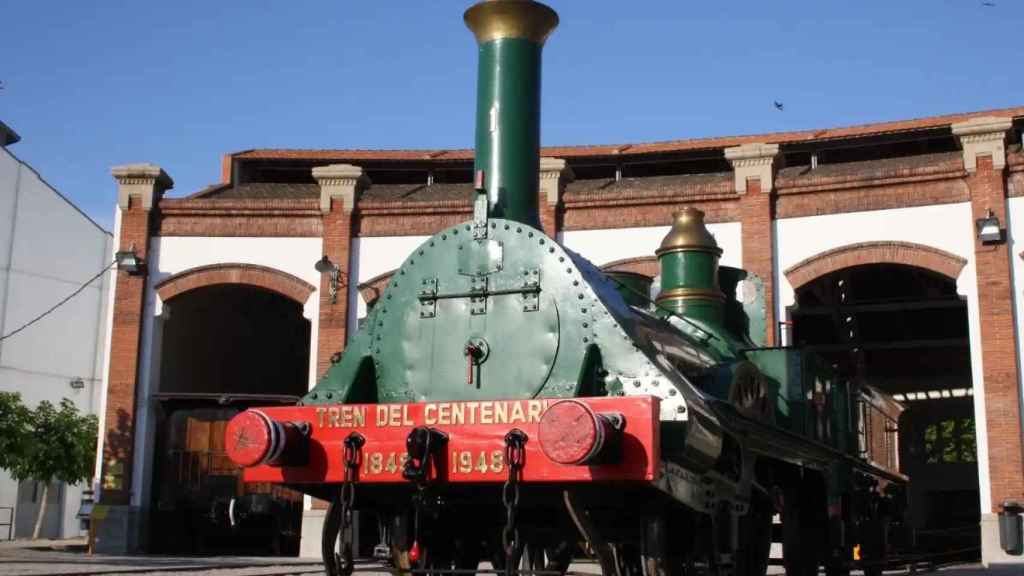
point(240, 207)
point(414, 207)
point(257, 217)
point(885, 252)
point(808, 184)
point(708, 193)
point(251, 274)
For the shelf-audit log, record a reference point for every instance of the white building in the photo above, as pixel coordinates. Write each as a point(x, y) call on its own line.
point(48, 248)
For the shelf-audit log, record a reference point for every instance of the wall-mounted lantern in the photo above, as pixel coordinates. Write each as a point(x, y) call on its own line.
point(129, 261)
point(989, 230)
point(325, 266)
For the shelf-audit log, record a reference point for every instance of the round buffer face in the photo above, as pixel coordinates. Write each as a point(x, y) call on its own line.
point(248, 438)
point(569, 432)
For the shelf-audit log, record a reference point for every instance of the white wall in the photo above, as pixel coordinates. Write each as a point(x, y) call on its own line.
point(604, 246)
point(172, 255)
point(370, 257)
point(48, 248)
point(947, 227)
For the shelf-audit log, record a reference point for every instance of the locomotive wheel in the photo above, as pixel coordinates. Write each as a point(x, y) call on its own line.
point(533, 556)
point(803, 533)
point(751, 556)
point(440, 552)
point(873, 544)
point(629, 560)
point(842, 570)
point(661, 557)
point(458, 555)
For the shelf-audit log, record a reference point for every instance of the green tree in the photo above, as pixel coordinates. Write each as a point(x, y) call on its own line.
point(14, 430)
point(59, 444)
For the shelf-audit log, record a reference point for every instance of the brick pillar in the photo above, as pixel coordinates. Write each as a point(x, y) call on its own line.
point(984, 148)
point(554, 175)
point(139, 189)
point(754, 171)
point(340, 186)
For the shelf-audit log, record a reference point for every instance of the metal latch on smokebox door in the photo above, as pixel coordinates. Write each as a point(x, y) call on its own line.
point(480, 289)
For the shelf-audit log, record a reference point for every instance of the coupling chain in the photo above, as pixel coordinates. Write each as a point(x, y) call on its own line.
point(515, 457)
point(347, 499)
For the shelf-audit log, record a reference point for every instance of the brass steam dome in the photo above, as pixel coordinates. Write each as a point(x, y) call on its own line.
point(689, 234)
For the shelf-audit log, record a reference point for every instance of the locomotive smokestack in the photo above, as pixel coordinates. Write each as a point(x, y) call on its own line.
point(511, 35)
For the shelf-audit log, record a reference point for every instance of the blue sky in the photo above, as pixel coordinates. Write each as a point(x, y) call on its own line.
point(93, 84)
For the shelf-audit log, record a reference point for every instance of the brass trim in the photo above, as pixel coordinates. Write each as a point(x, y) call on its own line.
point(689, 234)
point(690, 294)
point(496, 19)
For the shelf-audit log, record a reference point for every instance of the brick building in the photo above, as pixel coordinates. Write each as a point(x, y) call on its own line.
point(866, 239)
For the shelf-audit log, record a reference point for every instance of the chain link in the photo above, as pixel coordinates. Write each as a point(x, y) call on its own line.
point(515, 457)
point(347, 499)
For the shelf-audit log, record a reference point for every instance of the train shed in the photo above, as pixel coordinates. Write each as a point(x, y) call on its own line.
point(895, 250)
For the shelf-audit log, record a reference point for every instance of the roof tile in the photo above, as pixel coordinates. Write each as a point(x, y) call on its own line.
point(583, 151)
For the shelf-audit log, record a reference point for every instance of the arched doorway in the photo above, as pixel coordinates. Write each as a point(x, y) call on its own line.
point(902, 329)
point(234, 338)
point(228, 339)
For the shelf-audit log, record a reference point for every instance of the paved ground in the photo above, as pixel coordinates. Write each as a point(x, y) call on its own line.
point(68, 558)
point(19, 558)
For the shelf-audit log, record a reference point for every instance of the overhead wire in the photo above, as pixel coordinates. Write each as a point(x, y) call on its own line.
point(51, 309)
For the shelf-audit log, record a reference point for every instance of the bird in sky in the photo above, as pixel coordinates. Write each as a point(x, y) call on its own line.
point(779, 105)
point(989, 4)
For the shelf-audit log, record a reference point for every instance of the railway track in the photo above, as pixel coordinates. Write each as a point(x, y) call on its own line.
point(148, 566)
point(211, 569)
point(903, 565)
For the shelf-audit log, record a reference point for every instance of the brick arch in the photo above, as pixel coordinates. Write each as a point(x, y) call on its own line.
point(374, 287)
point(646, 265)
point(251, 274)
point(906, 253)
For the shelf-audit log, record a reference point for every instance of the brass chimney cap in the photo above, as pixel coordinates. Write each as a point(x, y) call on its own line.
point(495, 19)
point(689, 233)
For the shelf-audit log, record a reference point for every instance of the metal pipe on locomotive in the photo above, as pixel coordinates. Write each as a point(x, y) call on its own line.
point(505, 399)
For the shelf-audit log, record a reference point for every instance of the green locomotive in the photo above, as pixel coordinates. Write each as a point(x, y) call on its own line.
point(537, 402)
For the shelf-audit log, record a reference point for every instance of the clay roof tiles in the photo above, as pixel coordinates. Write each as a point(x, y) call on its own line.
point(707, 185)
point(582, 151)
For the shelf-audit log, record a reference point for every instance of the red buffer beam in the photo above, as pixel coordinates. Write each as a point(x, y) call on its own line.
point(616, 438)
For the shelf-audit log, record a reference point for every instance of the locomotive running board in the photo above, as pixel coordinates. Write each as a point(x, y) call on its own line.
point(775, 442)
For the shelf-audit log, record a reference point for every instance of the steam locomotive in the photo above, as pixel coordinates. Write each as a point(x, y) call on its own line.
point(506, 400)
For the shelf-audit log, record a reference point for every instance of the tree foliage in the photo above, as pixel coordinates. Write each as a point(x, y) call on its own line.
point(48, 443)
point(15, 421)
